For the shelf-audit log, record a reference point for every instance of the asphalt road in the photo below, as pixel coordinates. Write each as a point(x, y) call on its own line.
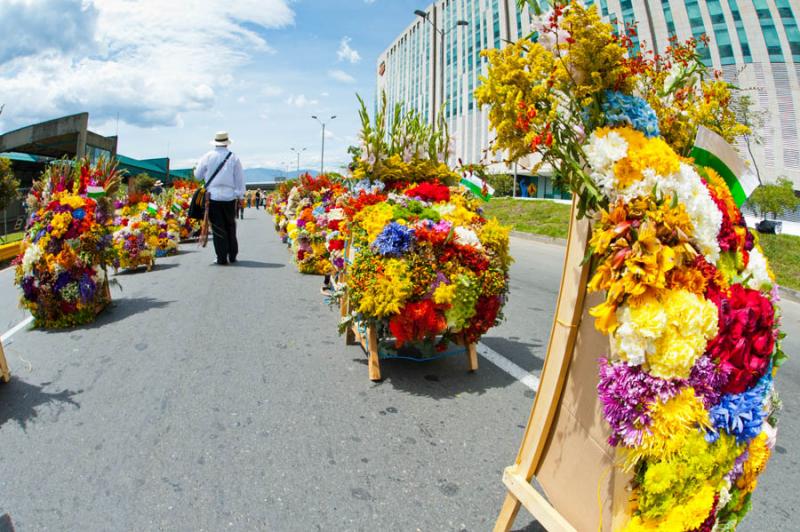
point(210, 398)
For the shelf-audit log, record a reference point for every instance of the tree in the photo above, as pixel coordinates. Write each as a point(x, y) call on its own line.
point(774, 199)
point(749, 115)
point(144, 183)
point(9, 185)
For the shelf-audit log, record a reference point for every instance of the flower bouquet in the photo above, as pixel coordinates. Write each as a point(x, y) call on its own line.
point(178, 202)
point(309, 205)
point(166, 229)
point(690, 305)
point(276, 205)
point(424, 267)
point(61, 268)
point(131, 243)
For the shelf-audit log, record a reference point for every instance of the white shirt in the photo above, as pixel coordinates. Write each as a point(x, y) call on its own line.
point(229, 183)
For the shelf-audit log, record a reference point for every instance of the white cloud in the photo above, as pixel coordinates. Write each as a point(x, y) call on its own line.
point(270, 91)
point(345, 53)
point(300, 101)
point(341, 75)
point(149, 60)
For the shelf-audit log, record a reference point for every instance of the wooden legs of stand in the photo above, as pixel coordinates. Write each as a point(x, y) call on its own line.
point(5, 374)
point(374, 361)
point(472, 355)
point(521, 492)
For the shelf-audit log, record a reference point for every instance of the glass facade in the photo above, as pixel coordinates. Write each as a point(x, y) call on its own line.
point(668, 17)
point(769, 31)
point(724, 46)
point(744, 42)
point(698, 29)
point(789, 27)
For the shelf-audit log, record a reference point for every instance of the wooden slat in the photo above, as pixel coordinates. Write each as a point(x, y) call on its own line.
point(374, 360)
point(525, 493)
point(554, 373)
point(472, 355)
point(5, 374)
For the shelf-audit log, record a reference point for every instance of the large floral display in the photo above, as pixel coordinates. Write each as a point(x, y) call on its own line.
point(690, 306)
point(277, 204)
point(425, 266)
point(178, 201)
point(311, 215)
point(62, 266)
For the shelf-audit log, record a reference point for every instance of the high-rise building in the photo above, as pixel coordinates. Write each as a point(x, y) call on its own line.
point(754, 43)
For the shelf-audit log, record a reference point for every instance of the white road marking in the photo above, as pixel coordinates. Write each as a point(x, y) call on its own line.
point(528, 379)
point(15, 329)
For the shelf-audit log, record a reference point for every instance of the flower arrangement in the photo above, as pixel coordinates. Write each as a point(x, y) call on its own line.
point(61, 269)
point(690, 304)
point(313, 223)
point(277, 203)
point(426, 266)
point(178, 201)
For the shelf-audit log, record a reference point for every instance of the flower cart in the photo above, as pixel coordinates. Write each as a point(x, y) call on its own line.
point(426, 275)
point(61, 270)
point(658, 382)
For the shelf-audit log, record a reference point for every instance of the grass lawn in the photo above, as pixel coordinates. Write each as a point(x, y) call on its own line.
point(538, 217)
point(552, 219)
point(11, 237)
point(783, 252)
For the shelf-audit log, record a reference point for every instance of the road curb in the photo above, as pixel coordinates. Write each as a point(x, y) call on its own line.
point(786, 293)
point(540, 238)
point(790, 294)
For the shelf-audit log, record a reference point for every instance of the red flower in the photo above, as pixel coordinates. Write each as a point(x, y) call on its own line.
point(487, 309)
point(336, 244)
point(433, 192)
point(417, 321)
point(746, 337)
point(333, 225)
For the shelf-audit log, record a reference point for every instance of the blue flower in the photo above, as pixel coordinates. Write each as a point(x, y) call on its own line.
point(86, 287)
point(742, 414)
point(395, 239)
point(367, 187)
point(622, 109)
point(79, 214)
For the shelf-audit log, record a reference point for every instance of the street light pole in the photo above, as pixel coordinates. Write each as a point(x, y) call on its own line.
point(322, 157)
point(298, 152)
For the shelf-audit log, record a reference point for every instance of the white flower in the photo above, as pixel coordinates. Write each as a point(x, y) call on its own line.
point(757, 271)
point(633, 343)
point(467, 237)
point(31, 257)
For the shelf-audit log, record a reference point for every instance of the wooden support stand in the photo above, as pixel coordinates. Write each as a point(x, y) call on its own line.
point(565, 443)
point(5, 374)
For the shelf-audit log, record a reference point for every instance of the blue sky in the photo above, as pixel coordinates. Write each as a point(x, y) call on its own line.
point(176, 71)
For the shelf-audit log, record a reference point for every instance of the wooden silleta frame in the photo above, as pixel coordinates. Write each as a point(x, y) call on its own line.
point(565, 443)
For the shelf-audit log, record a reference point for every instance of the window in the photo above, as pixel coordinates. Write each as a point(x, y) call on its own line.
point(769, 31)
point(744, 43)
point(789, 27)
point(721, 35)
point(698, 29)
point(668, 17)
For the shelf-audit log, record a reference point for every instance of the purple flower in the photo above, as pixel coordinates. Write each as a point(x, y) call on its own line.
point(707, 379)
point(29, 288)
point(301, 223)
point(63, 279)
point(395, 239)
point(628, 395)
point(338, 263)
point(86, 287)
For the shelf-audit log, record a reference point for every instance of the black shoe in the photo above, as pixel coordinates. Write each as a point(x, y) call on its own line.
point(220, 262)
point(232, 260)
point(326, 289)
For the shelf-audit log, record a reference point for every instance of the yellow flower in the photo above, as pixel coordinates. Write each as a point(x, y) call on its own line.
point(389, 291)
point(757, 456)
point(444, 294)
point(672, 423)
point(60, 224)
point(374, 218)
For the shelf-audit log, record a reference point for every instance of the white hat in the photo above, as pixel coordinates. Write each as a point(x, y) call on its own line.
point(221, 138)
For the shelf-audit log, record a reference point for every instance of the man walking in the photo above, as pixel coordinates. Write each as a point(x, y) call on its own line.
point(222, 172)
